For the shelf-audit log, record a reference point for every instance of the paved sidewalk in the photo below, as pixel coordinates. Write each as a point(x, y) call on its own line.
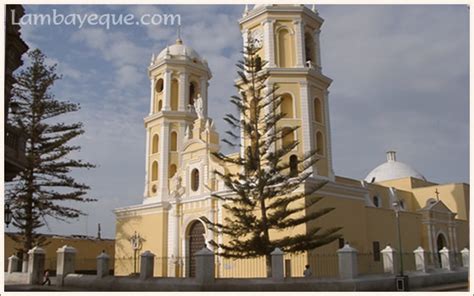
point(448, 287)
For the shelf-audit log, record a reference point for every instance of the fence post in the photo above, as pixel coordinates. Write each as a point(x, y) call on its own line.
point(465, 257)
point(204, 266)
point(347, 257)
point(13, 264)
point(146, 265)
point(420, 259)
point(24, 263)
point(66, 259)
point(277, 264)
point(390, 260)
point(103, 265)
point(446, 259)
point(36, 258)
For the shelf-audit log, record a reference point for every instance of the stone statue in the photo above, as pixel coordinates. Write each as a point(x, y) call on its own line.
point(198, 106)
point(176, 188)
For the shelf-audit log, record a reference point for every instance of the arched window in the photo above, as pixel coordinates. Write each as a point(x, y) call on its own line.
point(309, 47)
point(195, 179)
point(284, 49)
point(155, 143)
point(293, 166)
point(172, 171)
point(192, 93)
point(160, 105)
point(318, 110)
point(287, 106)
point(154, 171)
point(174, 142)
point(159, 85)
point(319, 143)
point(376, 201)
point(174, 95)
point(402, 205)
point(287, 137)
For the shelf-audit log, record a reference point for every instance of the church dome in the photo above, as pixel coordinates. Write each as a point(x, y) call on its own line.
point(392, 169)
point(179, 50)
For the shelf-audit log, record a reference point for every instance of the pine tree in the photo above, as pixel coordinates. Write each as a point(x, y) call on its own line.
point(44, 188)
point(264, 196)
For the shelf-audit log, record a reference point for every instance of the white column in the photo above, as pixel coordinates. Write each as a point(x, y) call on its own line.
point(245, 35)
point(147, 162)
point(36, 257)
point(147, 261)
point(167, 90)
point(203, 87)
point(446, 259)
point(164, 160)
point(210, 233)
point(307, 130)
point(269, 108)
point(277, 264)
point(181, 140)
point(152, 96)
point(172, 240)
point(269, 42)
point(347, 262)
point(452, 233)
point(390, 260)
point(430, 242)
point(421, 261)
point(183, 91)
point(65, 263)
point(300, 47)
point(327, 124)
point(317, 46)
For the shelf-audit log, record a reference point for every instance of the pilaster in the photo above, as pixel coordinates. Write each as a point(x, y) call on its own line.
point(183, 90)
point(269, 41)
point(164, 160)
point(167, 90)
point(327, 125)
point(300, 46)
point(203, 86)
point(307, 129)
point(152, 96)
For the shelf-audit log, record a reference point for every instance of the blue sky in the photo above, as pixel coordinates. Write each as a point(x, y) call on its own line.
point(401, 81)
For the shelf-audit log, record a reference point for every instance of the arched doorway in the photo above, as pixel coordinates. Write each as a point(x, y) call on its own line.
point(195, 243)
point(440, 243)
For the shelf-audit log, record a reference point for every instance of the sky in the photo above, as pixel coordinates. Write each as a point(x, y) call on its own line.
point(400, 82)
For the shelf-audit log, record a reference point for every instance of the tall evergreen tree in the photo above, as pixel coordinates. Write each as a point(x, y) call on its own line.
point(45, 187)
point(268, 194)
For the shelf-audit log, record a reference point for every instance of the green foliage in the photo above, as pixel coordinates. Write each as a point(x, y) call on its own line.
point(45, 187)
point(264, 196)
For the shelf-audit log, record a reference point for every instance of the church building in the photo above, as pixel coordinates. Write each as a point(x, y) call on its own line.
point(180, 169)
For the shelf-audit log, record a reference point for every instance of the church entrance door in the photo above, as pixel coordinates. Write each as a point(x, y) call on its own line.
point(195, 243)
point(440, 243)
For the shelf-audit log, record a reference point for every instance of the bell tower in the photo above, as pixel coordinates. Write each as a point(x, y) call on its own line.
point(178, 77)
point(289, 36)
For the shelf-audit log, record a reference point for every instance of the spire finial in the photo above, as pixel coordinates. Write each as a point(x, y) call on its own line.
point(179, 41)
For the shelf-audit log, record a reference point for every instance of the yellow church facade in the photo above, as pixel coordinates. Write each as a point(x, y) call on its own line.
point(180, 169)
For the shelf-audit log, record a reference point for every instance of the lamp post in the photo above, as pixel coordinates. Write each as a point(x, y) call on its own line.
point(8, 215)
point(401, 279)
point(135, 241)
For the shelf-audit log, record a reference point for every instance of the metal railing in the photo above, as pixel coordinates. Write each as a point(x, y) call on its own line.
point(369, 263)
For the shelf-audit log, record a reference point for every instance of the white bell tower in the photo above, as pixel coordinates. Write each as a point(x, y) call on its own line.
point(178, 75)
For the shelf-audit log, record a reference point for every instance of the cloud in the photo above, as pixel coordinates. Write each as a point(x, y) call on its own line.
point(401, 81)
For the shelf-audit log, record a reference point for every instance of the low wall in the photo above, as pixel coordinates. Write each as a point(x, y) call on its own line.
point(365, 283)
point(16, 278)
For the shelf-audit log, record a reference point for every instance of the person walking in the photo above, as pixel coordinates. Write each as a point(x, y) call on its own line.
point(307, 272)
point(46, 278)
